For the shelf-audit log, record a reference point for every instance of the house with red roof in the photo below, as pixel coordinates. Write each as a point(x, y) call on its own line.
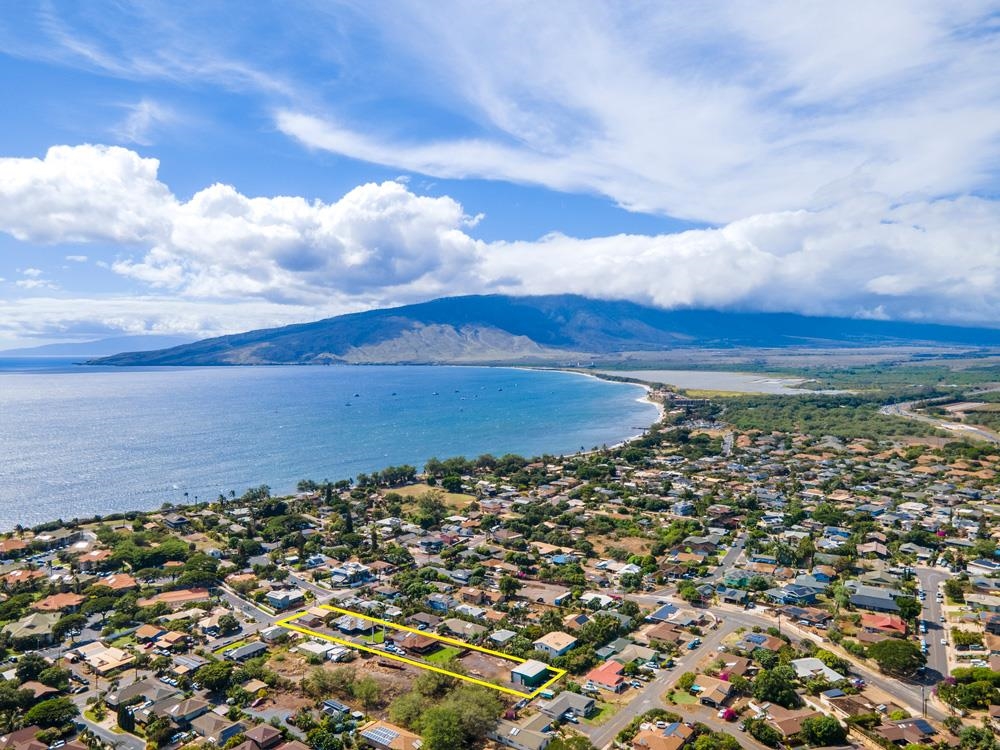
point(608, 676)
point(874, 622)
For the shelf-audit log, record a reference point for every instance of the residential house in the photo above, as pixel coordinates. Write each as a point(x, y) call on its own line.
point(873, 598)
point(35, 629)
point(521, 735)
point(246, 651)
point(555, 643)
point(986, 602)
point(264, 737)
point(216, 729)
point(282, 599)
point(59, 603)
point(883, 623)
point(671, 737)
point(753, 641)
point(568, 703)
point(811, 668)
point(902, 732)
point(808, 616)
point(608, 676)
point(711, 691)
point(175, 521)
point(792, 594)
point(470, 631)
point(381, 735)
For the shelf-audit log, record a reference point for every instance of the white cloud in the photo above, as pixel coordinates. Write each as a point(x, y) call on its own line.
point(76, 258)
point(228, 262)
point(83, 193)
point(89, 317)
point(142, 120)
point(378, 240)
point(937, 260)
point(711, 112)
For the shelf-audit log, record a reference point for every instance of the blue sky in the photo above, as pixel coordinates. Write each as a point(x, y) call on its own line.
point(214, 169)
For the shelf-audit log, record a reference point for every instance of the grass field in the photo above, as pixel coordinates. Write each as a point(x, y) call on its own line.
point(684, 698)
point(453, 500)
point(377, 637)
point(443, 655)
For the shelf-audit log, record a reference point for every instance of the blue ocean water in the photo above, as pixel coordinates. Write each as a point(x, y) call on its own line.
point(78, 441)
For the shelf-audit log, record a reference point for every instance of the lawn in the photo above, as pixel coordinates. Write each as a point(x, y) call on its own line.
point(604, 712)
point(443, 655)
point(377, 637)
point(684, 698)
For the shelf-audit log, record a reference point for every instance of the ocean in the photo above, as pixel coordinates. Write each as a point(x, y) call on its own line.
point(81, 441)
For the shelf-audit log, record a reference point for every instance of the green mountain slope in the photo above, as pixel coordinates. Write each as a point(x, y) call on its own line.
point(499, 328)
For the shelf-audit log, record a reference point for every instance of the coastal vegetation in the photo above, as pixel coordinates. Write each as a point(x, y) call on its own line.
point(844, 416)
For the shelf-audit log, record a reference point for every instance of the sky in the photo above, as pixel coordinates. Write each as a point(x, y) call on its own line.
point(222, 167)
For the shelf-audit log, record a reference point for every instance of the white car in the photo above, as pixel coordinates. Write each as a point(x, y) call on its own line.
point(944, 641)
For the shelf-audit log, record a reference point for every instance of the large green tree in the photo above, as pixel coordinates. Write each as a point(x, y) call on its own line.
point(442, 729)
point(823, 731)
point(898, 657)
point(777, 686)
point(54, 712)
point(216, 676)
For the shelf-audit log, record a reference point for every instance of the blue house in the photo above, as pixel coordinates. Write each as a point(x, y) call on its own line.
point(663, 614)
point(812, 583)
point(440, 602)
point(821, 576)
point(792, 594)
point(562, 559)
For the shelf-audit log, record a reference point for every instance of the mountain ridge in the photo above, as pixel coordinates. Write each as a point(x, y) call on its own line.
point(99, 347)
point(499, 328)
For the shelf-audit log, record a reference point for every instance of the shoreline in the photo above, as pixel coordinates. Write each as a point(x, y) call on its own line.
point(661, 410)
point(131, 512)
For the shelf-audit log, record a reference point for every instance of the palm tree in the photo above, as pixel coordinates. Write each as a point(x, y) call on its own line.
point(841, 597)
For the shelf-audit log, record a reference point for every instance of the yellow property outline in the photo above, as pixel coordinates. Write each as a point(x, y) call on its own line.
point(287, 623)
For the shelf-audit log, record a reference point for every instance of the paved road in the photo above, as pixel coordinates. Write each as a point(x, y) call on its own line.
point(904, 410)
point(730, 558)
point(937, 656)
point(322, 594)
point(649, 696)
point(238, 603)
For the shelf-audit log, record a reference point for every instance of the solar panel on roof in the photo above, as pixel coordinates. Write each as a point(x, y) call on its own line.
point(382, 735)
